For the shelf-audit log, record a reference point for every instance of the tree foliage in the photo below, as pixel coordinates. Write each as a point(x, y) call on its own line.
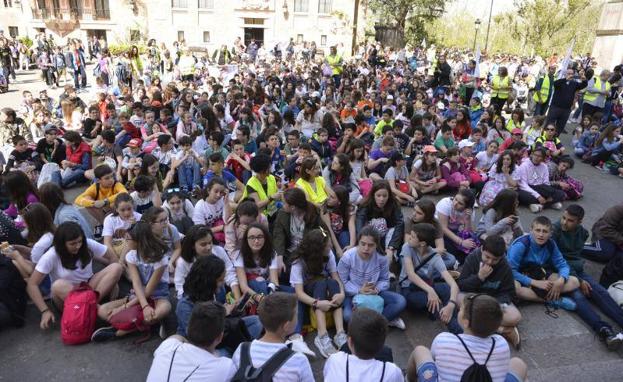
point(409, 16)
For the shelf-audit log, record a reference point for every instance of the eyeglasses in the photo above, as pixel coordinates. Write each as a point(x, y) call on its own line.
point(171, 190)
point(162, 221)
point(550, 129)
point(256, 238)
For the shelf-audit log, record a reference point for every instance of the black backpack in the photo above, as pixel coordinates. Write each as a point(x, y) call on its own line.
point(247, 373)
point(477, 372)
point(12, 291)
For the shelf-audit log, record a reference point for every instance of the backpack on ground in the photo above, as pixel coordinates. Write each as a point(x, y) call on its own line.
point(79, 315)
point(477, 372)
point(12, 291)
point(616, 292)
point(247, 373)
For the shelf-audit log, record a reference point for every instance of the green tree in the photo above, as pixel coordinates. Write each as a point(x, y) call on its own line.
point(540, 25)
point(409, 17)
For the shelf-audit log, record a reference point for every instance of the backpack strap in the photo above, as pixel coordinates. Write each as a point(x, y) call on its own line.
point(97, 190)
point(274, 363)
point(419, 266)
point(171, 366)
point(383, 372)
point(470, 353)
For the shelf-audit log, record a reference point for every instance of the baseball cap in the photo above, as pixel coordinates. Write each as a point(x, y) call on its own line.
point(389, 96)
point(517, 131)
point(50, 127)
point(429, 149)
point(134, 142)
point(465, 143)
point(441, 105)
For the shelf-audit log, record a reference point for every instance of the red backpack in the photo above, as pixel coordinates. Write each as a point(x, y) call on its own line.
point(79, 315)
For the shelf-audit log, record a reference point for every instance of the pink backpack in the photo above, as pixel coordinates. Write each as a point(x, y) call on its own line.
point(79, 315)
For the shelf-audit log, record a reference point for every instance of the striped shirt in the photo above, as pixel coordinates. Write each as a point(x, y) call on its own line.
point(452, 359)
point(355, 271)
point(295, 369)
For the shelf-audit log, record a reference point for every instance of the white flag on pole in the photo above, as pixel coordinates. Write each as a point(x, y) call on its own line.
point(567, 60)
point(477, 59)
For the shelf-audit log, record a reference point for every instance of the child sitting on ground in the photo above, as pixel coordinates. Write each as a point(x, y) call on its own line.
point(100, 196)
point(367, 331)
point(454, 357)
point(278, 314)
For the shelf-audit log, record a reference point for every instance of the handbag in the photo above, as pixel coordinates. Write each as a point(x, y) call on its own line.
point(403, 186)
point(365, 186)
point(369, 301)
point(131, 318)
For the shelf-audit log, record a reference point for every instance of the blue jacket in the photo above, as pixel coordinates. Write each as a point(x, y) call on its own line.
point(68, 212)
point(548, 256)
point(72, 59)
point(474, 116)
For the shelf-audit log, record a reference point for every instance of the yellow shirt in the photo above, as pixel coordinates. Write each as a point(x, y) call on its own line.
point(91, 194)
point(319, 195)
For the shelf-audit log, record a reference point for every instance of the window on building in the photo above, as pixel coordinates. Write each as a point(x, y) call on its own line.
point(301, 6)
point(252, 21)
point(179, 3)
point(102, 9)
point(135, 35)
point(13, 31)
point(299, 38)
point(324, 6)
point(180, 36)
point(8, 3)
point(206, 36)
point(206, 4)
point(323, 40)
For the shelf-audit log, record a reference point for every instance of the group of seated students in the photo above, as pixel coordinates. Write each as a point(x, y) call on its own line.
point(308, 231)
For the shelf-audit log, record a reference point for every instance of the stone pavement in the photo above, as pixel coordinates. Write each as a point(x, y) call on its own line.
point(560, 348)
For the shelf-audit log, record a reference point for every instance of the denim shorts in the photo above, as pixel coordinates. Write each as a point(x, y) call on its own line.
point(161, 292)
point(427, 372)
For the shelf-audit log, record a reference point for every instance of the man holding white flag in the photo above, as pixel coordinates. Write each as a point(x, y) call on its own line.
point(565, 88)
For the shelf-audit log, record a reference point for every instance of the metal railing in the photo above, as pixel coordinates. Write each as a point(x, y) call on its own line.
point(71, 13)
point(101, 14)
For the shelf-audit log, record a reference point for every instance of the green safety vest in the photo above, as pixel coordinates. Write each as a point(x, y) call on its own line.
point(334, 63)
point(590, 96)
point(256, 185)
point(544, 91)
point(495, 87)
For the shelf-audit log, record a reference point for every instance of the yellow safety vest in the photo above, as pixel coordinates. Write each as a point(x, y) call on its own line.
point(510, 125)
point(256, 185)
point(318, 196)
point(590, 96)
point(544, 91)
point(497, 84)
point(334, 63)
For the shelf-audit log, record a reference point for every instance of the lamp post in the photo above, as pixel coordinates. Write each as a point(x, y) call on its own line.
point(488, 26)
point(476, 27)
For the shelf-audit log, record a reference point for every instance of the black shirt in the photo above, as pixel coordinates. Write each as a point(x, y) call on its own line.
point(564, 92)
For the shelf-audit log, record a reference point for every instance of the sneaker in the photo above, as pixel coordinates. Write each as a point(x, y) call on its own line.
point(557, 206)
point(299, 345)
point(397, 323)
point(512, 337)
point(104, 334)
point(340, 339)
point(563, 303)
point(613, 341)
point(536, 208)
point(324, 345)
point(162, 332)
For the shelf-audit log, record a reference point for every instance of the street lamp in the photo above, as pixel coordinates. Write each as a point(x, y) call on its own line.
point(476, 27)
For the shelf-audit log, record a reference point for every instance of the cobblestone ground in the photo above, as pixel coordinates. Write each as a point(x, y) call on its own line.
point(554, 349)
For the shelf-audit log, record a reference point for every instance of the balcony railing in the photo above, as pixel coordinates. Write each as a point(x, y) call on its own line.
point(101, 14)
point(71, 13)
point(39, 14)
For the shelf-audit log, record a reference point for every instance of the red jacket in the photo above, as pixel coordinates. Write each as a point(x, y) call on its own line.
point(75, 156)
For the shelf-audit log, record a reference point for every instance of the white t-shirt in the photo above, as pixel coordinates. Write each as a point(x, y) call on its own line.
point(41, 246)
point(189, 358)
point(457, 221)
point(295, 369)
point(452, 359)
point(206, 213)
point(484, 161)
point(50, 264)
point(112, 223)
point(182, 267)
point(297, 274)
point(359, 369)
point(261, 272)
point(146, 270)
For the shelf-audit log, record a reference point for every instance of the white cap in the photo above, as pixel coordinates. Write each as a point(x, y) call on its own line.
point(441, 105)
point(389, 96)
point(465, 143)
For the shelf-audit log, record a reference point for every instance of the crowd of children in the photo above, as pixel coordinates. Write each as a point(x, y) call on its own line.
point(272, 205)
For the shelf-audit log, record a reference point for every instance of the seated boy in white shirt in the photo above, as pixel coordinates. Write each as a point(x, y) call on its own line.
point(193, 358)
point(278, 315)
point(367, 330)
point(451, 355)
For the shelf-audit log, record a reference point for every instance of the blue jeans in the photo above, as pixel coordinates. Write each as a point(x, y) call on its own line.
point(262, 287)
point(417, 300)
point(344, 238)
point(601, 298)
point(71, 178)
point(394, 305)
point(188, 176)
point(80, 77)
point(601, 251)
